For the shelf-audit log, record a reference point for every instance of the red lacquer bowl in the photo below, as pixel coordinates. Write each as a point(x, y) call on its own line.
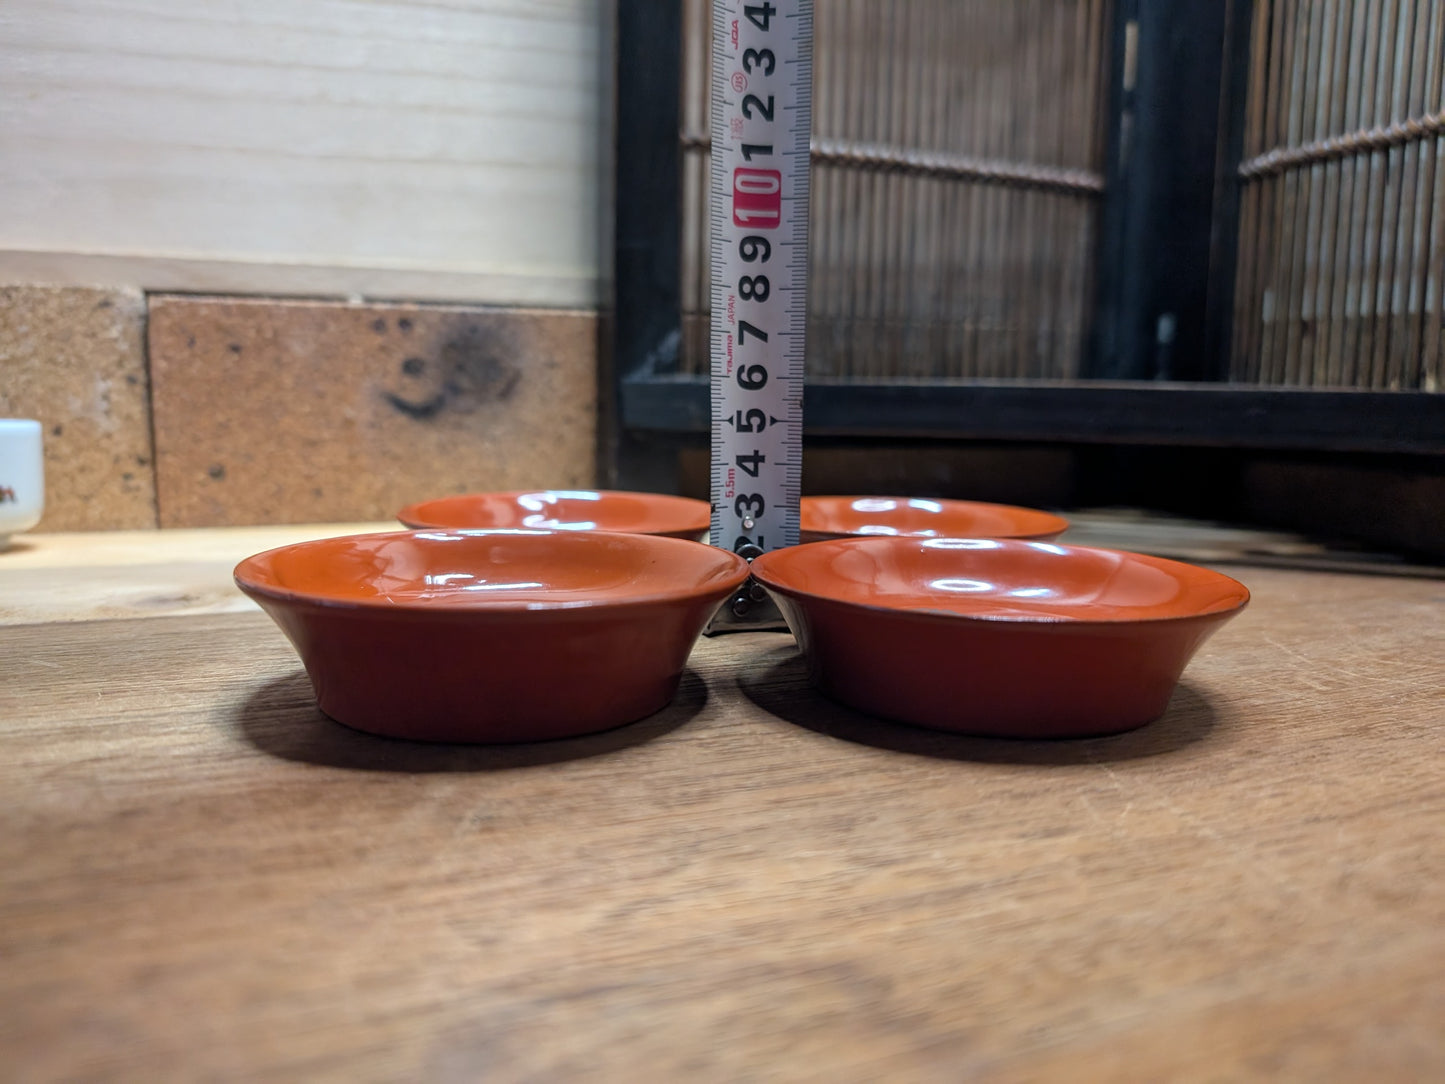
point(565, 510)
point(997, 637)
point(492, 636)
point(846, 517)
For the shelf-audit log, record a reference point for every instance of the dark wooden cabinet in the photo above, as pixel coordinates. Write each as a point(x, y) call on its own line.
point(1129, 222)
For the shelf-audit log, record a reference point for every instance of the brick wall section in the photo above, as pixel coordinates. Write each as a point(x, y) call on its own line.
point(74, 358)
point(282, 411)
point(296, 411)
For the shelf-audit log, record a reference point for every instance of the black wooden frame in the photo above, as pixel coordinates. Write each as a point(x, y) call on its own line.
point(1168, 230)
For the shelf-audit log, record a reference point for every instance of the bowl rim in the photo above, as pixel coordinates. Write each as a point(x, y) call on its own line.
point(1041, 621)
point(1061, 523)
point(245, 580)
point(701, 510)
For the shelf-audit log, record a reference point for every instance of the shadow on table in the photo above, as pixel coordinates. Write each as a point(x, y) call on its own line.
point(281, 718)
point(778, 684)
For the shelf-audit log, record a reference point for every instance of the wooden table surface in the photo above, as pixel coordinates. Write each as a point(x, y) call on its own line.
point(201, 877)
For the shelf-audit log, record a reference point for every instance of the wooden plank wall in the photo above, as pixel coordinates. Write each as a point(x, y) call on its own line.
point(429, 149)
point(397, 151)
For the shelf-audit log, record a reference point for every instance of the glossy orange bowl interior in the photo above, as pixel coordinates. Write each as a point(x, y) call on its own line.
point(996, 579)
point(564, 510)
point(888, 516)
point(510, 569)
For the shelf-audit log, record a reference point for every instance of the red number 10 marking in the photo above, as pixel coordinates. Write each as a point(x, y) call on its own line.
point(757, 198)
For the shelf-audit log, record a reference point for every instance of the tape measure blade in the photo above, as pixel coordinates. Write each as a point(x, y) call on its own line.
point(761, 118)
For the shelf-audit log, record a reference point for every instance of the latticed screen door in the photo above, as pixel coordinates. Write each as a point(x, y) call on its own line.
point(1217, 223)
point(1341, 278)
point(958, 156)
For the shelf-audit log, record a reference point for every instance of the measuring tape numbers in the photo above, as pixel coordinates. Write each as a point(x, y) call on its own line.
point(761, 120)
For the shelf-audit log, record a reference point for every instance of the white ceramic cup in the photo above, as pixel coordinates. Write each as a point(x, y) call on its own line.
point(22, 477)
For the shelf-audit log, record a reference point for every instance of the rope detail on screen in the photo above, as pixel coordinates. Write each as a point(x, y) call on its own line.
point(879, 158)
point(1343, 146)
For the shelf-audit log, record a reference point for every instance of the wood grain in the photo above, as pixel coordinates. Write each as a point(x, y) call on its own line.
point(389, 148)
point(117, 574)
point(205, 878)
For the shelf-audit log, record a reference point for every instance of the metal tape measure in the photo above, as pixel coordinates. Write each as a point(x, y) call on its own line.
point(762, 108)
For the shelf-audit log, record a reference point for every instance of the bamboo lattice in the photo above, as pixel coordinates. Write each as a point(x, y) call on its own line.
point(957, 157)
point(1341, 269)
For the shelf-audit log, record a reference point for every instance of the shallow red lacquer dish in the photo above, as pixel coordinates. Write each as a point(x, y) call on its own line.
point(840, 517)
point(565, 510)
point(997, 637)
point(492, 636)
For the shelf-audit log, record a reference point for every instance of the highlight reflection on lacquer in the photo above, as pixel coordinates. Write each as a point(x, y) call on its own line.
point(998, 637)
point(496, 636)
point(565, 510)
point(839, 517)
